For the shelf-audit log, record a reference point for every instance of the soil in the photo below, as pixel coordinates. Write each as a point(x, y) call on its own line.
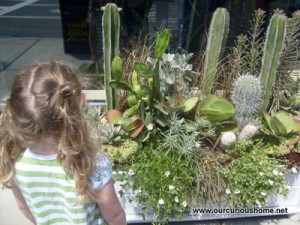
point(293, 159)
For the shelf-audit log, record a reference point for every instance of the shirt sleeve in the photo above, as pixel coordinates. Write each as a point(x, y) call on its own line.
point(102, 173)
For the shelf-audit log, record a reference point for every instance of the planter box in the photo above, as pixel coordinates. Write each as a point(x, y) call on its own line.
point(286, 205)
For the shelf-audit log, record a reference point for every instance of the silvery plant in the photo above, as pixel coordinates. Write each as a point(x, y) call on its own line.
point(175, 74)
point(246, 97)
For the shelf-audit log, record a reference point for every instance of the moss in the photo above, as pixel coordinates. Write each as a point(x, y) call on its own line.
point(121, 154)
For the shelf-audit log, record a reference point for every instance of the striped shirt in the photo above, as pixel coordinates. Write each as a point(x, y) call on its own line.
point(50, 193)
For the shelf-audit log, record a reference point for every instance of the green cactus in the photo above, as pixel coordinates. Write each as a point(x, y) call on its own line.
point(272, 50)
point(246, 97)
point(111, 34)
point(217, 37)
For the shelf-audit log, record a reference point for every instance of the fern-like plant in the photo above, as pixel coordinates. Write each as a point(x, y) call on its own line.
point(178, 140)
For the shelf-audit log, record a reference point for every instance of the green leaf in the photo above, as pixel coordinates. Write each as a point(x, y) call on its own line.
point(134, 79)
point(283, 122)
point(113, 116)
point(132, 100)
point(296, 125)
point(162, 43)
point(215, 109)
point(141, 90)
point(161, 108)
point(120, 84)
point(133, 110)
point(190, 103)
point(125, 121)
point(143, 70)
point(117, 67)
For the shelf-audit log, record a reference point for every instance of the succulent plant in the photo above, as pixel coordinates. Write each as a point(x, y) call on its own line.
point(217, 37)
point(246, 97)
point(121, 153)
point(175, 74)
point(111, 35)
point(227, 139)
point(215, 109)
point(110, 134)
point(248, 132)
point(274, 43)
point(282, 123)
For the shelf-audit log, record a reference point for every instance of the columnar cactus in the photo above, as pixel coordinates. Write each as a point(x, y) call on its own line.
point(272, 50)
point(217, 37)
point(111, 35)
point(246, 97)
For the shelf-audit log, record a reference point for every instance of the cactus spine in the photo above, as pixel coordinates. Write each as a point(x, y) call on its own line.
point(217, 37)
point(272, 50)
point(111, 34)
point(246, 97)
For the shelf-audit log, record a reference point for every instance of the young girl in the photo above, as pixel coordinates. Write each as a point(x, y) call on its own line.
point(57, 174)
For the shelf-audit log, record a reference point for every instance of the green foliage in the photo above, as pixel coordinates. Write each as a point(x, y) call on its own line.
point(175, 77)
point(215, 109)
point(217, 37)
point(254, 44)
point(110, 134)
point(209, 183)
point(274, 43)
point(179, 161)
point(177, 139)
point(281, 123)
point(162, 43)
point(111, 35)
point(163, 183)
point(246, 97)
point(285, 86)
point(252, 175)
point(122, 153)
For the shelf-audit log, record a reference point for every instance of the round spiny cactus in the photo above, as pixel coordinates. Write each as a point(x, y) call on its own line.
point(246, 96)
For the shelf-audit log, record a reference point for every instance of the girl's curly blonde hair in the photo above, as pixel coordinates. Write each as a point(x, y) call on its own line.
point(45, 102)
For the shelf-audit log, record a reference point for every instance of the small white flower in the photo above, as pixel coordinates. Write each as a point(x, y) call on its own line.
point(261, 173)
point(227, 191)
point(276, 172)
point(176, 199)
point(171, 187)
point(184, 204)
point(167, 173)
point(294, 170)
point(258, 203)
point(130, 173)
point(263, 193)
point(197, 145)
point(138, 191)
point(236, 191)
point(150, 126)
point(271, 182)
point(289, 188)
point(161, 201)
point(280, 174)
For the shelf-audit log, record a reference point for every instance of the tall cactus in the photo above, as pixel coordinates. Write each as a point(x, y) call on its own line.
point(111, 35)
point(272, 50)
point(217, 37)
point(246, 97)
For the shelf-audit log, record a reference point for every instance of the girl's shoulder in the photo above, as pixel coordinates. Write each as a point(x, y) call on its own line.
point(102, 173)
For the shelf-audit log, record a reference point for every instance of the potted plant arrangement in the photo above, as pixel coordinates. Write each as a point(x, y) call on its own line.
point(223, 135)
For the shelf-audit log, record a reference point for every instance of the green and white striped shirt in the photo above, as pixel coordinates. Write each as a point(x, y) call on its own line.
point(50, 193)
